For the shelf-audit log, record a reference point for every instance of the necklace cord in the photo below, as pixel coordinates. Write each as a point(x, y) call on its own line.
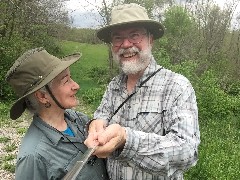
point(119, 107)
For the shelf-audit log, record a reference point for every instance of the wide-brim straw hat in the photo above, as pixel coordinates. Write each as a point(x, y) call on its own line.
point(130, 15)
point(33, 70)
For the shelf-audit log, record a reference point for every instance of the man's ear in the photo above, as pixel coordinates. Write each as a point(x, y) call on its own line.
point(41, 97)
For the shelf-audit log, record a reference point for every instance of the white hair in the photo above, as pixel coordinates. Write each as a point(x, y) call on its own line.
point(133, 67)
point(33, 105)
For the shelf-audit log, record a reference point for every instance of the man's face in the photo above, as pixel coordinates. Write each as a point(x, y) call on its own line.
point(131, 48)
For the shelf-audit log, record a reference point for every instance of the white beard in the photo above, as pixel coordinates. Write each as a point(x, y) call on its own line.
point(136, 65)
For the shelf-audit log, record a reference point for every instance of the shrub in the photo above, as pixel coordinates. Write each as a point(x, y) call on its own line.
point(93, 96)
point(213, 102)
point(11, 49)
point(100, 75)
point(233, 88)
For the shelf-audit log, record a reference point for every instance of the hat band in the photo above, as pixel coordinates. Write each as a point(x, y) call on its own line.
point(36, 82)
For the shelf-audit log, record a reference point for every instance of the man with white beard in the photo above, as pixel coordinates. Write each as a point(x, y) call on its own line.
point(147, 123)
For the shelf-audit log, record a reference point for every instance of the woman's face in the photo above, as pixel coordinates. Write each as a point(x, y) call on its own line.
point(64, 89)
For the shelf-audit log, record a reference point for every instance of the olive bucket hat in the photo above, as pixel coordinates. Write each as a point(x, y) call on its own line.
point(33, 70)
point(130, 15)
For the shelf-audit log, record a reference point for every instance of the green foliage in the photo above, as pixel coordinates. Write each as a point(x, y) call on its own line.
point(21, 130)
point(10, 49)
point(93, 61)
point(26, 25)
point(4, 139)
point(4, 109)
point(99, 75)
point(186, 68)
point(40, 38)
point(180, 30)
point(93, 96)
point(81, 35)
point(8, 167)
point(213, 102)
point(219, 122)
point(177, 21)
point(10, 147)
point(9, 157)
point(233, 89)
point(219, 150)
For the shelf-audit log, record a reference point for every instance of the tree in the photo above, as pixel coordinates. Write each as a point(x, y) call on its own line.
point(26, 24)
point(180, 30)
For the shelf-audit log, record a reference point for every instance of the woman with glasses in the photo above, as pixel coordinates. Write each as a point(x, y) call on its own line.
point(53, 142)
point(147, 122)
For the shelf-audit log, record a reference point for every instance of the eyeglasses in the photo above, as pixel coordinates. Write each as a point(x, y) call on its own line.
point(134, 38)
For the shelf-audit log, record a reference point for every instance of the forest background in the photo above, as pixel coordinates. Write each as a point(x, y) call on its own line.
point(201, 41)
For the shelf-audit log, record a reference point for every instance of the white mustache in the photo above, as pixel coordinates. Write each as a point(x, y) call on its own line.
point(129, 50)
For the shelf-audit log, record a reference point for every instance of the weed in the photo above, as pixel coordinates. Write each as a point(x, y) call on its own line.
point(4, 139)
point(8, 167)
point(10, 147)
point(9, 157)
point(21, 130)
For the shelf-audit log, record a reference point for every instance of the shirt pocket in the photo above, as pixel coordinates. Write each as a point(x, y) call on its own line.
point(150, 117)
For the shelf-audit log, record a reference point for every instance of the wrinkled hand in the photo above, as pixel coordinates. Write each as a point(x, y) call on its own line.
point(96, 127)
point(112, 138)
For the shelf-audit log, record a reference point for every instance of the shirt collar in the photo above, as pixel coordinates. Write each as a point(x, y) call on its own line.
point(51, 133)
point(151, 68)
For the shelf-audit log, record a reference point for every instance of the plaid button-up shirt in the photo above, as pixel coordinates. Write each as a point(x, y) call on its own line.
point(161, 122)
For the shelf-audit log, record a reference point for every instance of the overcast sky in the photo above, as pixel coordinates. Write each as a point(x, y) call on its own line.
point(85, 15)
point(84, 5)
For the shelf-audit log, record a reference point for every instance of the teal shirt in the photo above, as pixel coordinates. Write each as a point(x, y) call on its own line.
point(46, 154)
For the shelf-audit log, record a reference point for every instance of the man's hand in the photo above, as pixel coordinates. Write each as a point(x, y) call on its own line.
point(112, 138)
point(96, 127)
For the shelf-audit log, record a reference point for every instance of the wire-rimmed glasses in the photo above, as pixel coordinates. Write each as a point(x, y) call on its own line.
point(134, 37)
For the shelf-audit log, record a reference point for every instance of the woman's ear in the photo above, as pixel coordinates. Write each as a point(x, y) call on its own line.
point(41, 97)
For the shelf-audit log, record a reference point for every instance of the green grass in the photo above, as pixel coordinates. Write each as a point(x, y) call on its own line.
point(92, 56)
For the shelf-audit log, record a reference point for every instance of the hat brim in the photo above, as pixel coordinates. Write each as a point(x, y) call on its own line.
point(19, 106)
point(155, 28)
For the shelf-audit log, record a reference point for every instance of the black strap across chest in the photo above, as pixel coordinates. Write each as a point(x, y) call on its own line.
point(141, 84)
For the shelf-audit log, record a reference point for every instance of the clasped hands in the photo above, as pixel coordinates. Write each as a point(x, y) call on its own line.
point(107, 138)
